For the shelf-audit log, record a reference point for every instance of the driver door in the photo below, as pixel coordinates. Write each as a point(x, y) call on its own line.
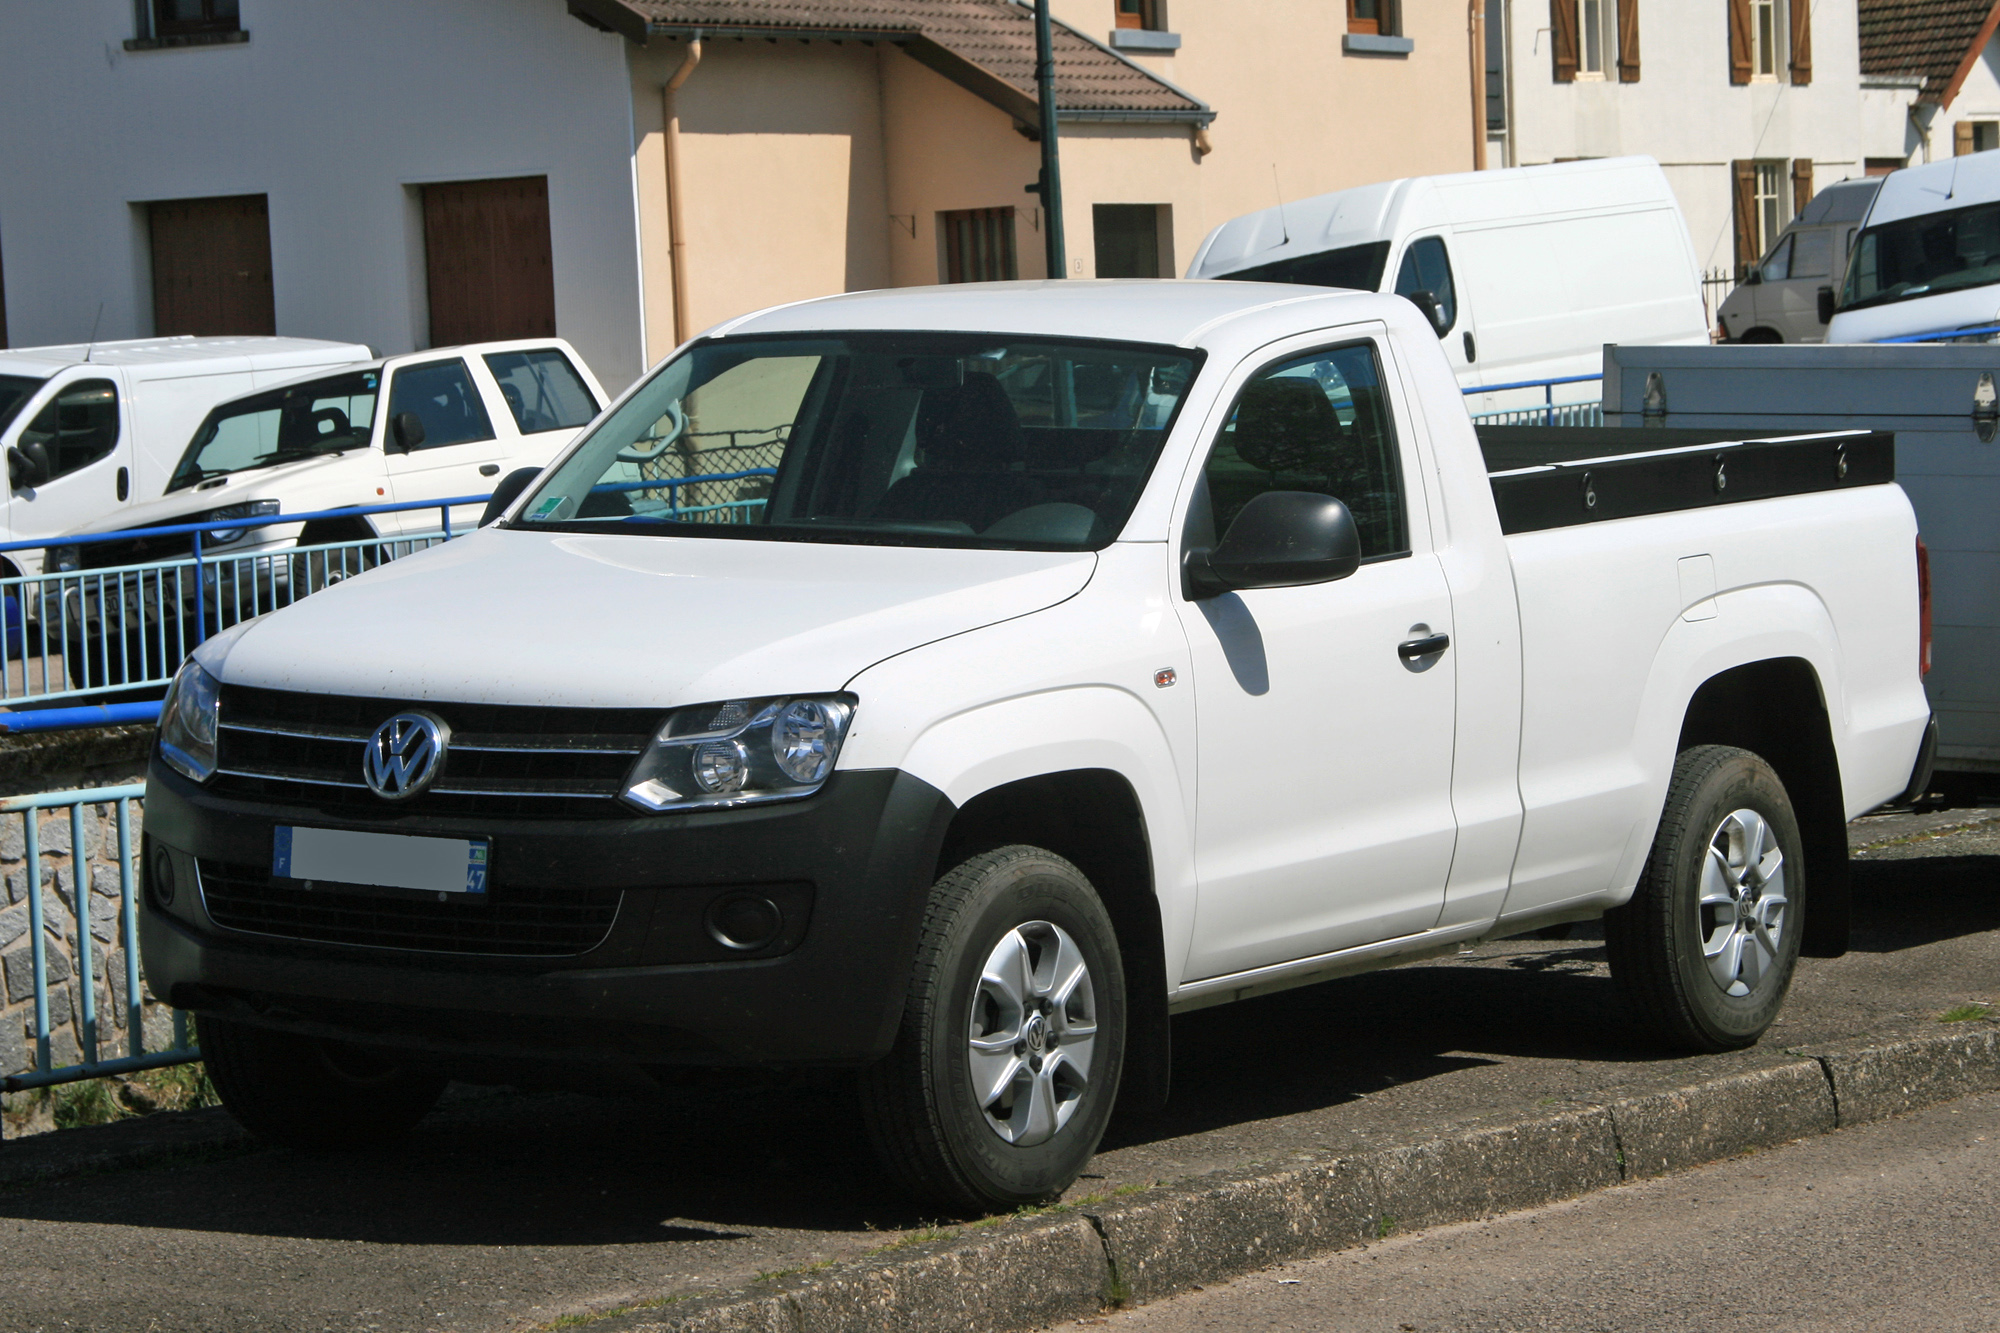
point(80, 430)
point(459, 452)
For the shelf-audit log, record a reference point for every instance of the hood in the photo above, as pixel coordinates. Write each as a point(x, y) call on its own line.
point(237, 488)
point(614, 621)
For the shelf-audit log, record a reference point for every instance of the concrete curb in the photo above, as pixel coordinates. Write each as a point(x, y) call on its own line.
point(1025, 1272)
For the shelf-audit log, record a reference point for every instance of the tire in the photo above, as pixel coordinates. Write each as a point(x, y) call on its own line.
point(996, 956)
point(319, 1096)
point(1705, 951)
point(1760, 337)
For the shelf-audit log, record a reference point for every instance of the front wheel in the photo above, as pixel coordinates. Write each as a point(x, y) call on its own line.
point(1012, 1041)
point(302, 1092)
point(1705, 951)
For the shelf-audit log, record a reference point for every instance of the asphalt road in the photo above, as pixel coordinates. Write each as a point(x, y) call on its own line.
point(1888, 1226)
point(505, 1212)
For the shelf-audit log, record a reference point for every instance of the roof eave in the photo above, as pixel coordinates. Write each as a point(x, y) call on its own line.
point(1971, 57)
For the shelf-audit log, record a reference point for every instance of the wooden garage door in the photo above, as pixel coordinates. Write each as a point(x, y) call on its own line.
point(486, 254)
point(212, 266)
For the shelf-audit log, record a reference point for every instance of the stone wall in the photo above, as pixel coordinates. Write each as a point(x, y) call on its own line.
point(70, 761)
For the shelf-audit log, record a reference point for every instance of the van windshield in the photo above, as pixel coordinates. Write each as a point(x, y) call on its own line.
point(326, 416)
point(1358, 267)
point(1924, 256)
point(914, 439)
point(15, 390)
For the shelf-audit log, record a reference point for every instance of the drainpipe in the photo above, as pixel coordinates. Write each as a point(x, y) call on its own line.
point(677, 232)
point(1476, 25)
point(1051, 182)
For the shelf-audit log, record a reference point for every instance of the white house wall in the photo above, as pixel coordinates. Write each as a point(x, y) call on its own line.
point(336, 112)
point(1685, 112)
point(1978, 99)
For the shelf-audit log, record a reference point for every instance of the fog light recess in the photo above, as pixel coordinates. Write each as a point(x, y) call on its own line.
point(744, 921)
point(163, 878)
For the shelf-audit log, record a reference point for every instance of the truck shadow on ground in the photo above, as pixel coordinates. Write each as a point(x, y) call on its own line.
point(719, 1160)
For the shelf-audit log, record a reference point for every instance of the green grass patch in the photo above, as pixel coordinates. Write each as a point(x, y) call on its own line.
point(1967, 1013)
point(104, 1101)
point(578, 1320)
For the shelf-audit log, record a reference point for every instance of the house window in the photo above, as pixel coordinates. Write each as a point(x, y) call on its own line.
point(194, 18)
point(1146, 15)
point(978, 244)
point(1128, 239)
point(1769, 204)
point(1373, 16)
point(1594, 53)
point(1764, 38)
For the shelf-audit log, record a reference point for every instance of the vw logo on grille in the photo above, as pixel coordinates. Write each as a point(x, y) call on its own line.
point(404, 755)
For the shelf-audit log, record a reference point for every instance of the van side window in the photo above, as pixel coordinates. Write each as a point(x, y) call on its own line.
point(1778, 267)
point(1812, 254)
point(1427, 268)
point(441, 393)
point(1318, 423)
point(542, 389)
point(78, 427)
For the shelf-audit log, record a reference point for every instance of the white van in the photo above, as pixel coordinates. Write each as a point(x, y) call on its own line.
point(1529, 271)
point(88, 430)
point(1928, 257)
point(1778, 302)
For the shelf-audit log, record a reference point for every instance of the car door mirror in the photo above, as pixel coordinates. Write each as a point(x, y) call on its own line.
point(508, 491)
point(1755, 278)
point(407, 429)
point(28, 465)
point(1281, 539)
point(1428, 303)
point(1826, 305)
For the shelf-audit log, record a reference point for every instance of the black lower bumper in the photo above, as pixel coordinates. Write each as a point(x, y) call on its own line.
point(861, 853)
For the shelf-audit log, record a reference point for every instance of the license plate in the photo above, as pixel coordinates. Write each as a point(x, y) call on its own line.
point(380, 860)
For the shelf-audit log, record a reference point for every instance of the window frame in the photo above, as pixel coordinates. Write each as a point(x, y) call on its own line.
point(52, 402)
point(1605, 49)
point(1194, 487)
point(1774, 51)
point(1142, 16)
point(387, 414)
point(1385, 23)
point(209, 25)
point(1770, 224)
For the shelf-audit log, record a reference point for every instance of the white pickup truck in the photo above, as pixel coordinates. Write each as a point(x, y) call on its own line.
point(1089, 652)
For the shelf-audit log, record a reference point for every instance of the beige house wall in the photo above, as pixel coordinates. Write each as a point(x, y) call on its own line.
point(814, 168)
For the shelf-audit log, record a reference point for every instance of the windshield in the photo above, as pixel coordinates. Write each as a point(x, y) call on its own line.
point(319, 417)
point(921, 439)
point(14, 391)
point(1923, 256)
point(1355, 266)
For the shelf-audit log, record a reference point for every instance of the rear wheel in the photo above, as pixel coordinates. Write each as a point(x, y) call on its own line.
point(1761, 336)
point(1013, 1037)
point(317, 1095)
point(1706, 949)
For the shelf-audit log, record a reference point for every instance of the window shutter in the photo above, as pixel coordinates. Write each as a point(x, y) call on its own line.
point(1739, 41)
point(1562, 38)
point(1628, 41)
point(1802, 184)
point(1801, 41)
point(1746, 215)
point(1961, 138)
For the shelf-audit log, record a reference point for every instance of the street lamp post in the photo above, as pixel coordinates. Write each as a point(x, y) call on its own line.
point(1049, 187)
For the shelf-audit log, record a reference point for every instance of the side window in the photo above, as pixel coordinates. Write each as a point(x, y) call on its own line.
point(441, 394)
point(542, 389)
point(1317, 423)
point(1812, 254)
point(1778, 267)
point(78, 427)
point(1427, 268)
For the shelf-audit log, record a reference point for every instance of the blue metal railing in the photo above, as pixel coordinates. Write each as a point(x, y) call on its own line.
point(1589, 412)
point(84, 960)
point(1943, 335)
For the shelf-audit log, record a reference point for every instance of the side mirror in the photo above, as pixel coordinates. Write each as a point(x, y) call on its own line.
point(508, 491)
point(1282, 539)
point(1826, 305)
point(28, 465)
point(1755, 278)
point(408, 430)
point(1428, 303)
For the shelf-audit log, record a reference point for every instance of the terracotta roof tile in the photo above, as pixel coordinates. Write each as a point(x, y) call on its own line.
point(1929, 38)
point(996, 36)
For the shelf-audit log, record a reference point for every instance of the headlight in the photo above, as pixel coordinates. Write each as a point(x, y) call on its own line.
point(188, 721)
point(62, 559)
point(226, 536)
point(740, 752)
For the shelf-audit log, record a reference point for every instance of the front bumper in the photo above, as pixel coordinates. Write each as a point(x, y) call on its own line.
point(862, 852)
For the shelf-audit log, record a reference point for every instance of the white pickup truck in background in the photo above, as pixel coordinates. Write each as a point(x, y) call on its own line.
point(1086, 652)
point(90, 431)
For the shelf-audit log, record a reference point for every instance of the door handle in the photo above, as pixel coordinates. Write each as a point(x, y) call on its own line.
point(1412, 649)
point(489, 469)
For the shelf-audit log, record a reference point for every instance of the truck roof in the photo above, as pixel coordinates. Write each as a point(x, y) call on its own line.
point(1937, 187)
point(1142, 310)
point(166, 356)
